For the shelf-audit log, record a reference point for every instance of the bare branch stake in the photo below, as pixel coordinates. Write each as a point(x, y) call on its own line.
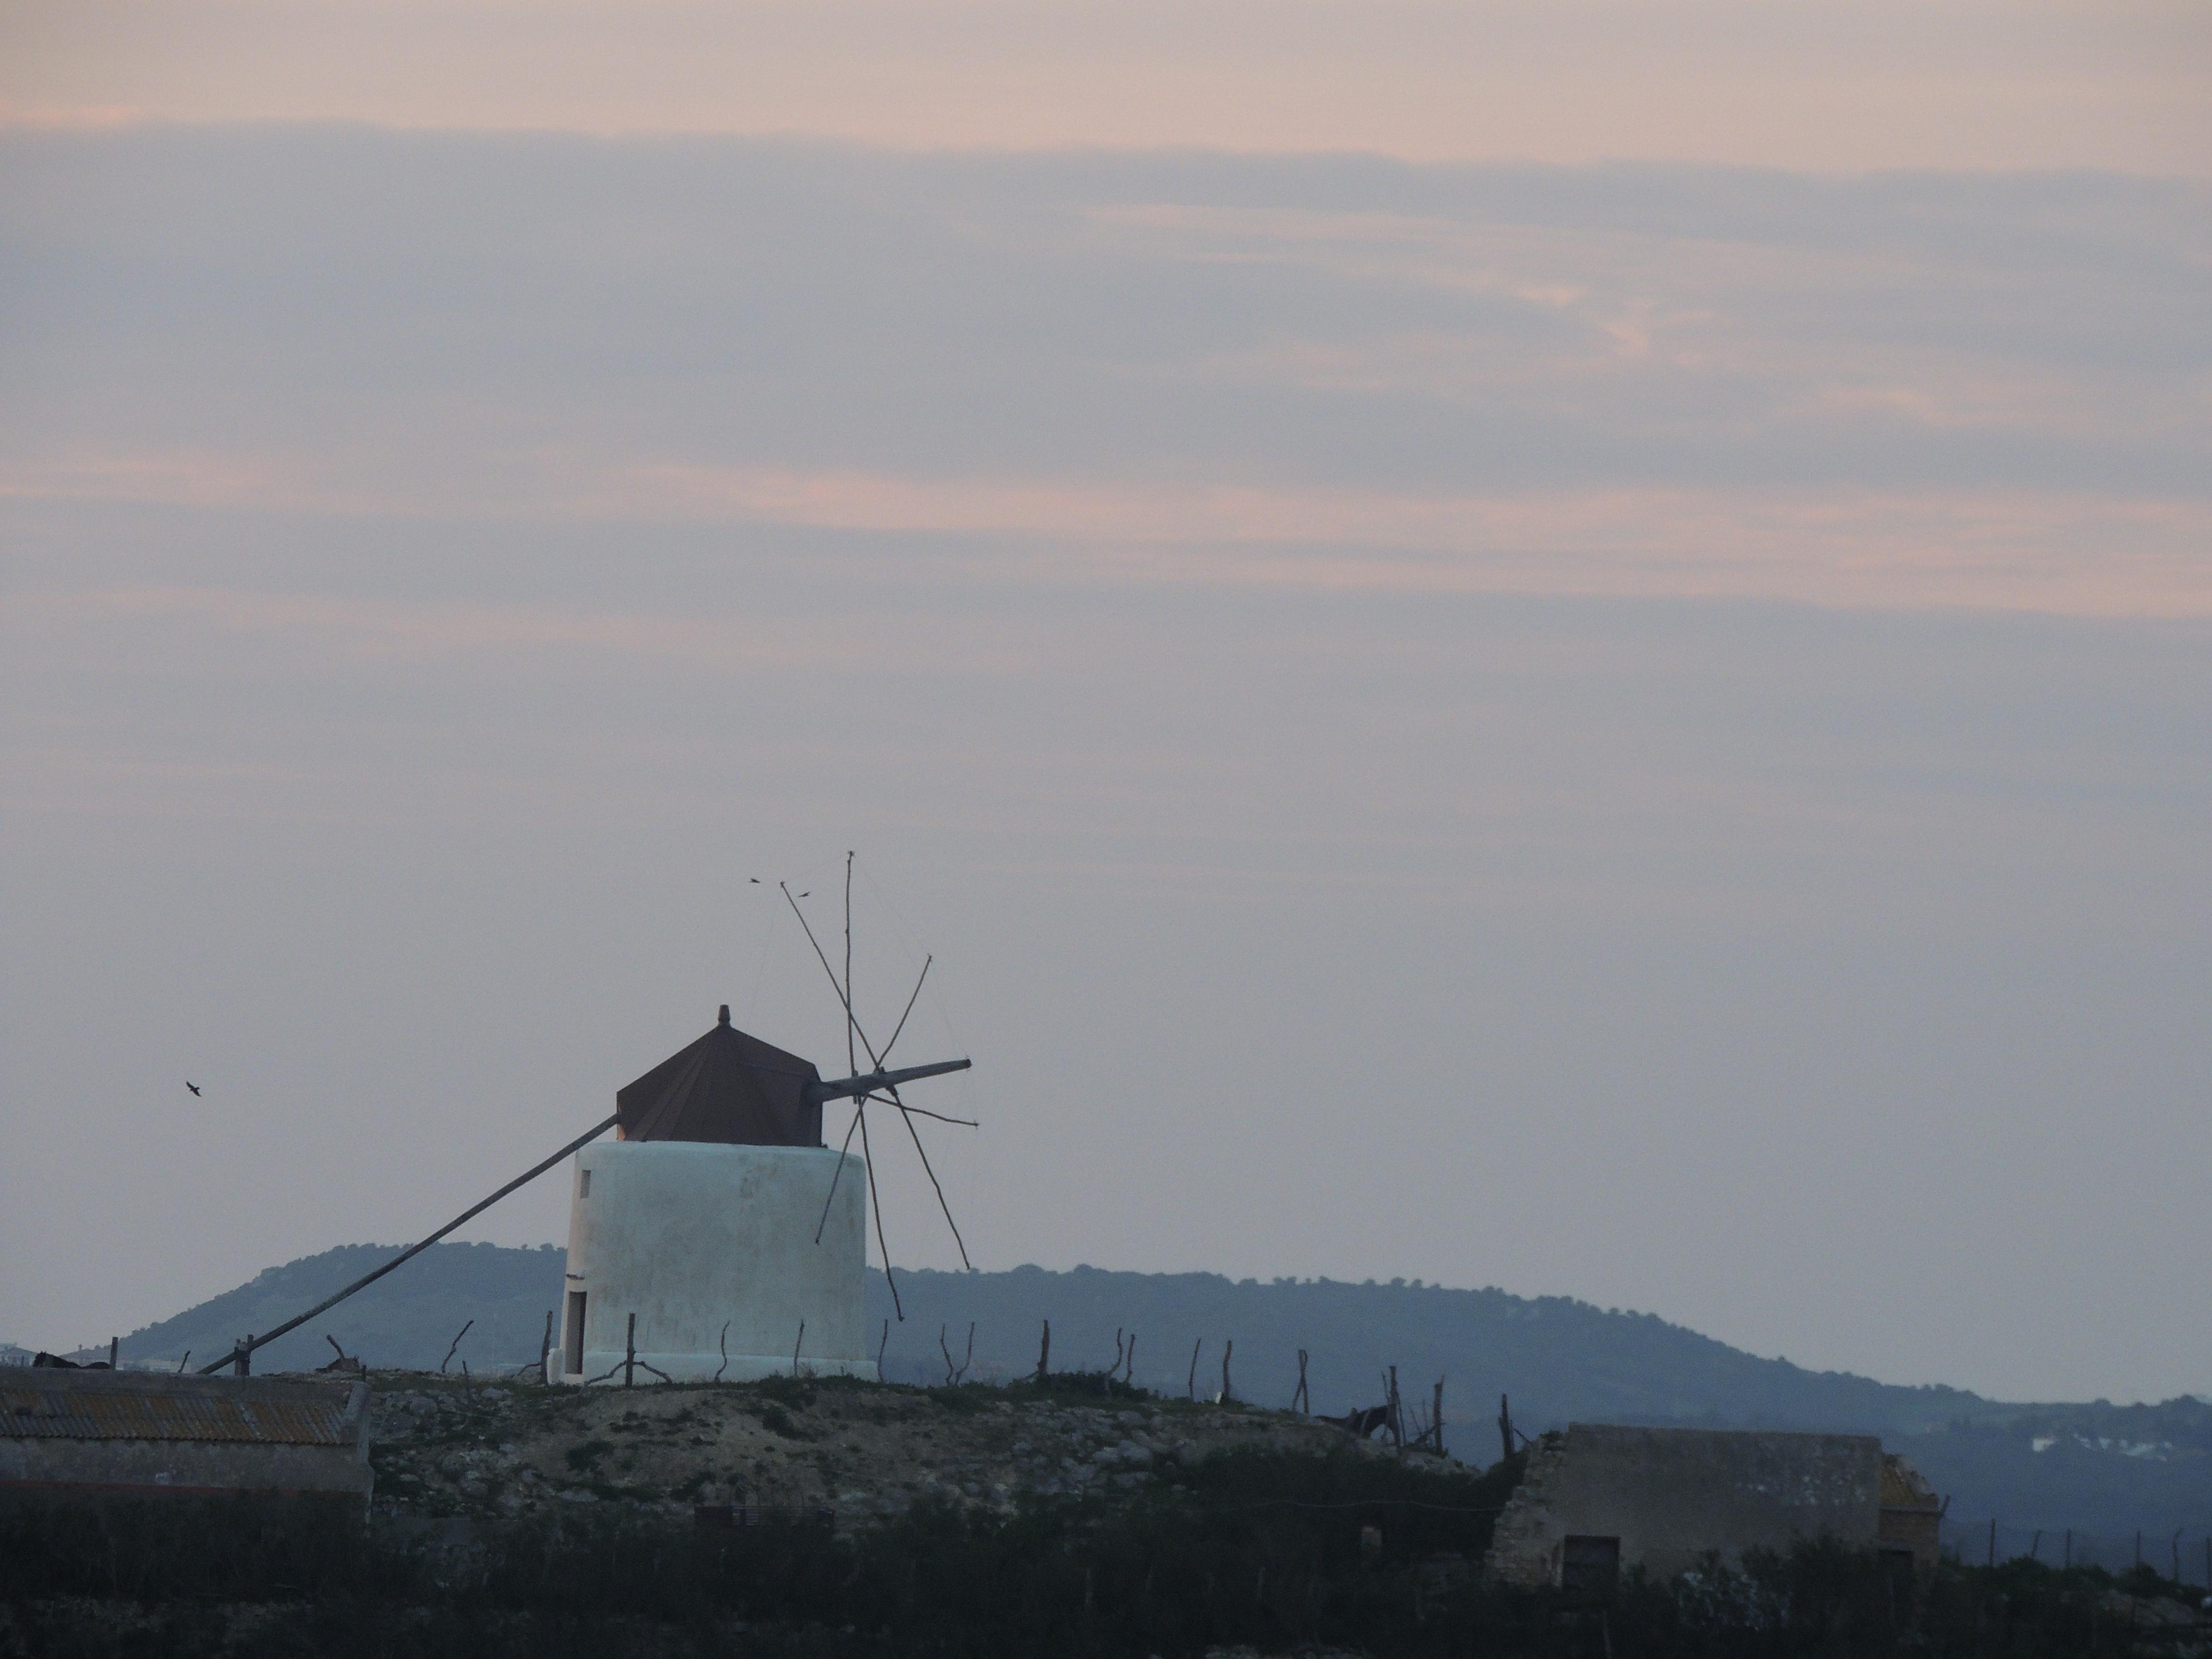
point(448, 1360)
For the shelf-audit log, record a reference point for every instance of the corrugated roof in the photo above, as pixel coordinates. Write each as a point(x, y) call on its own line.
point(58, 1405)
point(728, 1087)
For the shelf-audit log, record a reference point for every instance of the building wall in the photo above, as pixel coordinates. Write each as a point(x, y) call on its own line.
point(1911, 1513)
point(692, 1236)
point(1672, 1495)
point(183, 1467)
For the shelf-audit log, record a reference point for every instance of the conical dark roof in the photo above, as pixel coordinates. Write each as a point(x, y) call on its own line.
point(726, 1086)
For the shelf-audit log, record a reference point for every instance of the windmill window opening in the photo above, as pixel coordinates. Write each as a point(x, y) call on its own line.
point(584, 1187)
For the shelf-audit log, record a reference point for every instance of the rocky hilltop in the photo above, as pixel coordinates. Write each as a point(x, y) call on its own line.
point(860, 1451)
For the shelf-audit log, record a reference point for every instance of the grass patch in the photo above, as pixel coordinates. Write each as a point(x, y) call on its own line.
point(584, 1459)
point(778, 1421)
point(1086, 1388)
point(796, 1391)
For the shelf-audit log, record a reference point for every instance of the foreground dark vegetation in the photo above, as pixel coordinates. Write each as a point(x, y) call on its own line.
point(1276, 1553)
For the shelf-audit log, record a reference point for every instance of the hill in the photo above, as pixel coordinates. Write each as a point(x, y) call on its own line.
point(1560, 1359)
point(406, 1320)
point(2101, 1470)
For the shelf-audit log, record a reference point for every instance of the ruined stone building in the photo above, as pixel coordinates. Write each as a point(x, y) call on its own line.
point(1597, 1499)
point(95, 1433)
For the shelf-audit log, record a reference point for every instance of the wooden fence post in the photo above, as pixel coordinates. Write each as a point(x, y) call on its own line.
point(1227, 1348)
point(1192, 1385)
point(629, 1353)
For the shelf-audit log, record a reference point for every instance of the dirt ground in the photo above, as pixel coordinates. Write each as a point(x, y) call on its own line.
point(444, 1447)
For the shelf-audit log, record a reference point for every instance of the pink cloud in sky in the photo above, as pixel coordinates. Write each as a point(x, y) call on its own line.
point(1897, 393)
point(1827, 85)
point(388, 631)
point(2058, 552)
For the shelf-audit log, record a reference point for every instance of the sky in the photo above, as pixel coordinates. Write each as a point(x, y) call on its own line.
point(1563, 648)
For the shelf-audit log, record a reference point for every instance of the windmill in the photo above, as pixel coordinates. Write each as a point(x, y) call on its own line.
point(717, 1213)
point(717, 1236)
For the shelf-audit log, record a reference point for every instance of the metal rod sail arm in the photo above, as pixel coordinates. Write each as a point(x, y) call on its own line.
point(852, 1088)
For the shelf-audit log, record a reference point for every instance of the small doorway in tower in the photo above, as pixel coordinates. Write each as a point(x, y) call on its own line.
point(572, 1344)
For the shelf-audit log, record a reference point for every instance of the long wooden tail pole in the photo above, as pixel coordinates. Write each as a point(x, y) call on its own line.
point(411, 1251)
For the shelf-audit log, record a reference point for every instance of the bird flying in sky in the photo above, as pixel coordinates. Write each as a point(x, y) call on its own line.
point(194, 1087)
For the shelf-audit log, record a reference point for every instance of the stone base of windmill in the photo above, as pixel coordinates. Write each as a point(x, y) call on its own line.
point(697, 1261)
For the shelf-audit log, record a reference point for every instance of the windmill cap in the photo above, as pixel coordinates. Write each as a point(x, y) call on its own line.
point(725, 1019)
point(728, 1087)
